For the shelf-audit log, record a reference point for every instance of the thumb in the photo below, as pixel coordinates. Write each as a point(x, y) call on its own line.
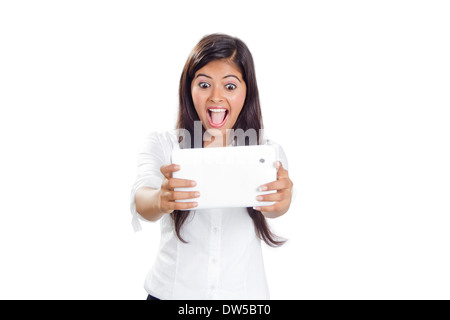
point(281, 171)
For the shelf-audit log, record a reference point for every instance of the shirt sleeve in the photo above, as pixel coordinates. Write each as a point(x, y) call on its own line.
point(149, 161)
point(281, 156)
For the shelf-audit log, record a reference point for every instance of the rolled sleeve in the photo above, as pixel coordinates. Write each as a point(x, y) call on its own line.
point(152, 156)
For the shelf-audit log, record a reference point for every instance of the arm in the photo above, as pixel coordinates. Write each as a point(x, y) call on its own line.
point(152, 204)
point(283, 185)
point(147, 203)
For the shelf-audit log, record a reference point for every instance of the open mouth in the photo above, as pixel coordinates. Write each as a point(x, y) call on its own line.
point(217, 116)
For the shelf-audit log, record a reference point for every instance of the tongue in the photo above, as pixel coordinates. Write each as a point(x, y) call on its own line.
point(217, 117)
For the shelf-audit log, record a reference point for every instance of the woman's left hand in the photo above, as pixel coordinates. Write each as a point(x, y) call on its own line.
point(282, 197)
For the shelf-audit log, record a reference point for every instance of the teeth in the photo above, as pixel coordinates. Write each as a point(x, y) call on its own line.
point(217, 110)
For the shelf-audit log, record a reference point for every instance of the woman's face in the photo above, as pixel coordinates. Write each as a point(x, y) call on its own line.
point(218, 92)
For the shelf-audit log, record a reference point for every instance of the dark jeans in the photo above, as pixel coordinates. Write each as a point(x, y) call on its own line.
point(150, 297)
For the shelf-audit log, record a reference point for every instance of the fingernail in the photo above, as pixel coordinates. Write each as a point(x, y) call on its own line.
point(176, 167)
point(193, 183)
point(197, 194)
point(259, 198)
point(194, 204)
point(263, 188)
point(277, 164)
point(257, 208)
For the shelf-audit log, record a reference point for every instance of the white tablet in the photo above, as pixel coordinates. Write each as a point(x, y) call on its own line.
point(227, 177)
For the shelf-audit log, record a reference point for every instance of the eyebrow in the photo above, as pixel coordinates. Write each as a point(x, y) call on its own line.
point(232, 75)
point(227, 76)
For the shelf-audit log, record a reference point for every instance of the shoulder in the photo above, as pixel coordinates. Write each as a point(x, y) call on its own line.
point(166, 139)
point(159, 144)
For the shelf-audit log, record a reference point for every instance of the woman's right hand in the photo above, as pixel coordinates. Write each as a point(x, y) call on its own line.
point(167, 194)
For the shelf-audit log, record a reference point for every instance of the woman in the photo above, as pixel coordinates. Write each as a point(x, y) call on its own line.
point(210, 253)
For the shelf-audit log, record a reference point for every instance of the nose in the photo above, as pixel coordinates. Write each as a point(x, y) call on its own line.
point(216, 95)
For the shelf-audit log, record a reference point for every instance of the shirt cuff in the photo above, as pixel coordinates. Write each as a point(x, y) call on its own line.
point(135, 215)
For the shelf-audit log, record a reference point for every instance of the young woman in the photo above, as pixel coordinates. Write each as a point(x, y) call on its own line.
point(210, 253)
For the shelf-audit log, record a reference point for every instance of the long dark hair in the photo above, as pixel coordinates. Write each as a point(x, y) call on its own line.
point(210, 48)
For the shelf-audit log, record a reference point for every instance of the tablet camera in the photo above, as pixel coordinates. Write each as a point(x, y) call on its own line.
point(262, 160)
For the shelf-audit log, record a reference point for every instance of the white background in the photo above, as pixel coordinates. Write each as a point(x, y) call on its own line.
point(357, 92)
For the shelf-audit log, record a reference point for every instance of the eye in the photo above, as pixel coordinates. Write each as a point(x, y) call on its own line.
point(204, 85)
point(230, 86)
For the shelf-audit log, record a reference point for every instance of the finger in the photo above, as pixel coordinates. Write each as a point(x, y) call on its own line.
point(183, 195)
point(281, 171)
point(180, 183)
point(167, 170)
point(184, 205)
point(276, 185)
point(265, 208)
point(277, 196)
point(272, 208)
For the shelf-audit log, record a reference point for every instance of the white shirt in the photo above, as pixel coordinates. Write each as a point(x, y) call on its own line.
point(223, 256)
